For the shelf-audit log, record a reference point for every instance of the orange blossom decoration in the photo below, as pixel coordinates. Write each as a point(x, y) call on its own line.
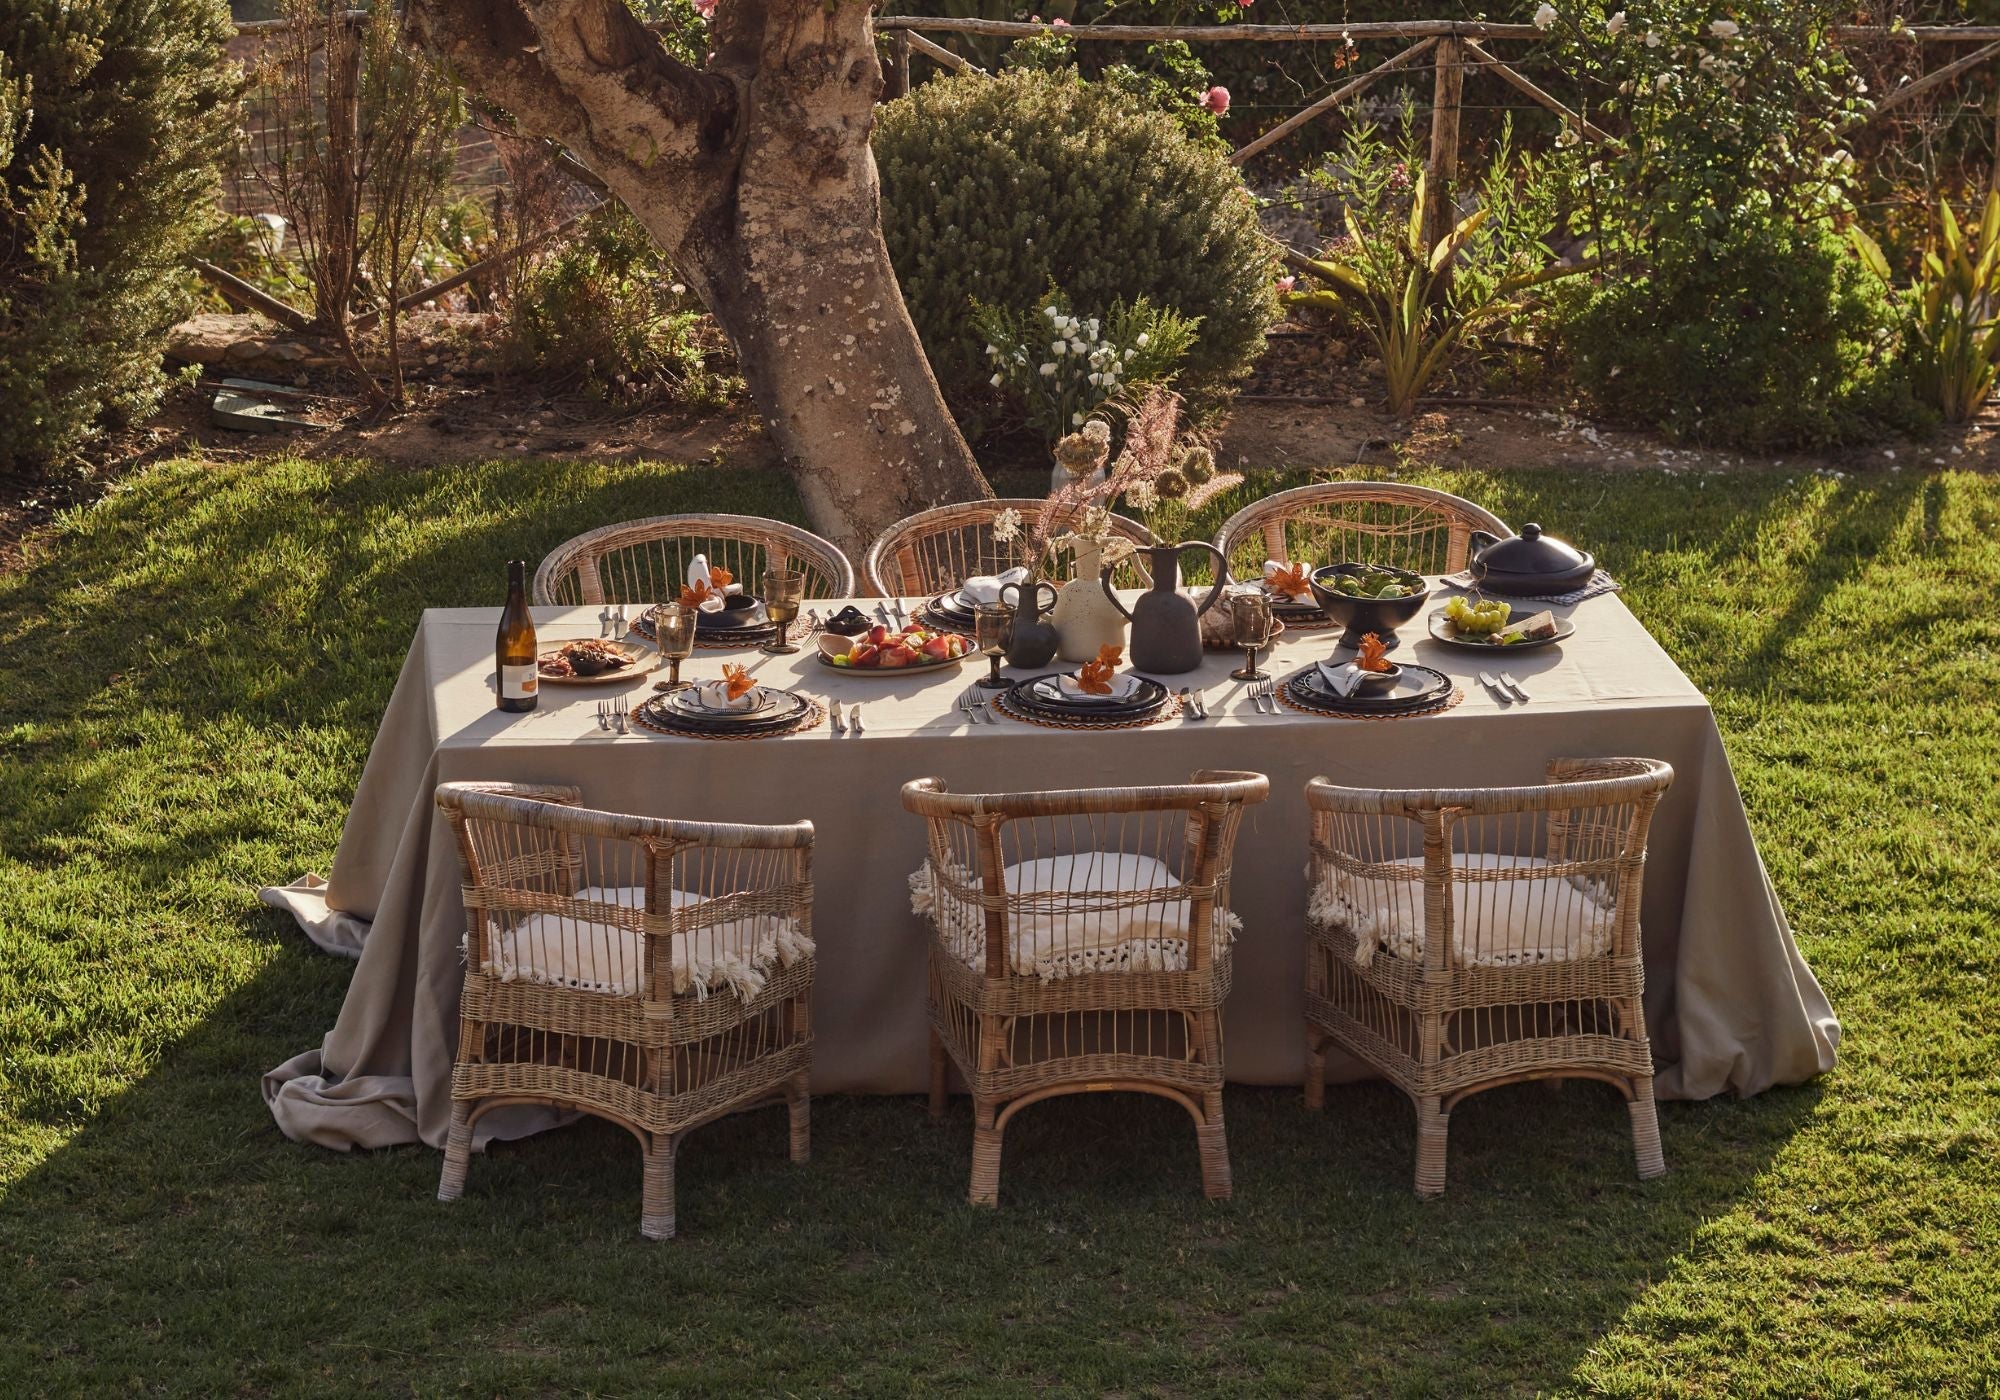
point(695, 594)
point(1373, 655)
point(1095, 677)
point(720, 578)
point(1290, 581)
point(739, 681)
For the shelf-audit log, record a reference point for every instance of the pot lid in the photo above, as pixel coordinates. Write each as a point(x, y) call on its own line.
point(1532, 554)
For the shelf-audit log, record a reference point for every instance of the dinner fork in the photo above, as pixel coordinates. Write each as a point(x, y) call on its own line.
point(618, 712)
point(603, 716)
point(1263, 691)
point(966, 699)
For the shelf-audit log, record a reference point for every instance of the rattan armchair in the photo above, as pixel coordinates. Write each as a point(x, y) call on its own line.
point(646, 561)
point(1461, 940)
point(924, 554)
point(1080, 942)
point(1368, 522)
point(655, 973)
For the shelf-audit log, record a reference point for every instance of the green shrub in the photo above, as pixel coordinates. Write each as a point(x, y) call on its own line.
point(995, 189)
point(601, 312)
point(111, 115)
point(1775, 340)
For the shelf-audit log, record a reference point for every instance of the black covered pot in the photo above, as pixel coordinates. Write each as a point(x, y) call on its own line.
point(1530, 564)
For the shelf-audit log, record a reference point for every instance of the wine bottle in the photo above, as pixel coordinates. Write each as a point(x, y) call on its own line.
point(514, 646)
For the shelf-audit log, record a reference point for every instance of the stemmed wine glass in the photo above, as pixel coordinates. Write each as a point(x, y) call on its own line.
point(783, 590)
point(1251, 614)
point(991, 620)
point(673, 629)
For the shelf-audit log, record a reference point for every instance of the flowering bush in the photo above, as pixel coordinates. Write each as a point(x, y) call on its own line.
point(1062, 366)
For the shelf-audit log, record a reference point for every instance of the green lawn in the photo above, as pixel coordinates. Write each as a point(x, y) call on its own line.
point(195, 667)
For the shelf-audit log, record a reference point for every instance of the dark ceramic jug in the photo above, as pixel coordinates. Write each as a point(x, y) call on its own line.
point(1166, 627)
point(1031, 642)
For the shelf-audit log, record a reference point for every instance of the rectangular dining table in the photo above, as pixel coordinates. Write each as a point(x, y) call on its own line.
point(1730, 1003)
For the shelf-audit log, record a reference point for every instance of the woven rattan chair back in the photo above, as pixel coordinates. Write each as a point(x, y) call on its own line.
point(1366, 522)
point(646, 561)
point(655, 973)
point(1461, 940)
point(1080, 942)
point(924, 554)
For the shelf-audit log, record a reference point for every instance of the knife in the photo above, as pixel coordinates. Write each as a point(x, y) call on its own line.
point(1507, 679)
point(1486, 679)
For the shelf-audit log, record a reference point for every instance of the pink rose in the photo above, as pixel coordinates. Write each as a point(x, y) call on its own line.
point(1058, 24)
point(1216, 99)
point(1246, 4)
point(1285, 284)
point(705, 8)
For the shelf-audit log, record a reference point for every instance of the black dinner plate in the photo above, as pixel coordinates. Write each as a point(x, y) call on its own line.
point(789, 711)
point(1151, 695)
point(1417, 688)
point(772, 704)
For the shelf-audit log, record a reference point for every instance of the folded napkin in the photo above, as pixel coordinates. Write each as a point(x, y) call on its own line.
point(1598, 582)
point(735, 691)
point(981, 589)
point(1293, 580)
point(1122, 688)
point(1344, 678)
point(700, 594)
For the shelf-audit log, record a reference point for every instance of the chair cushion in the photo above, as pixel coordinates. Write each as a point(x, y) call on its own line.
point(594, 956)
point(1502, 923)
point(1054, 943)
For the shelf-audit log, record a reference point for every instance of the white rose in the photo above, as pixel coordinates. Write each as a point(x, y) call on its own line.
point(995, 381)
point(992, 352)
point(1130, 353)
point(1052, 313)
point(1616, 24)
point(1660, 83)
point(1076, 420)
point(1724, 28)
point(1076, 347)
point(1092, 323)
point(1653, 40)
point(1545, 16)
point(1143, 338)
point(1094, 378)
point(1048, 371)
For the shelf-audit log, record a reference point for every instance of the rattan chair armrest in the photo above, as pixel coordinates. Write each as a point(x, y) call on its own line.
point(474, 802)
point(1641, 777)
point(929, 797)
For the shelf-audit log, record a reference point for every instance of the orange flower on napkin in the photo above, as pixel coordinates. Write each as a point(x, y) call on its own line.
point(1373, 655)
point(696, 593)
point(1292, 580)
point(1095, 677)
point(739, 681)
point(720, 578)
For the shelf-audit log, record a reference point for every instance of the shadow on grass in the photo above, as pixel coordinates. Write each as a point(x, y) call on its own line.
point(178, 1239)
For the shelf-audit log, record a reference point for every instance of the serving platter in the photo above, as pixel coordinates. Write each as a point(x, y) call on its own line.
point(642, 661)
point(1443, 630)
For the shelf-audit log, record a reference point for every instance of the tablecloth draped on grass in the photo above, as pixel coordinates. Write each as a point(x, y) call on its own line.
point(1730, 1002)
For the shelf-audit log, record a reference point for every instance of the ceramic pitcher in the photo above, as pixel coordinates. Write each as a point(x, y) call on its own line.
point(1085, 620)
point(1166, 627)
point(1031, 642)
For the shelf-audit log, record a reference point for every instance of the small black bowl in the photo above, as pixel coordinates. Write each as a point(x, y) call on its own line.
point(738, 611)
point(1360, 616)
point(850, 621)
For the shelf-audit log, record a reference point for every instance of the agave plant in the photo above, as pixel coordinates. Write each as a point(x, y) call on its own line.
point(1407, 302)
point(1953, 334)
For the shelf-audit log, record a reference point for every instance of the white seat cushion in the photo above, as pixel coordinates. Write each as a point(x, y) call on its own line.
point(1057, 943)
point(1500, 923)
point(594, 956)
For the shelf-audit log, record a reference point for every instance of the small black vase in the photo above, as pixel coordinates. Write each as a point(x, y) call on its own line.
point(1031, 642)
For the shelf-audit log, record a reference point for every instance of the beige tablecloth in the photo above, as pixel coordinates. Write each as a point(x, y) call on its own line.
point(1730, 1003)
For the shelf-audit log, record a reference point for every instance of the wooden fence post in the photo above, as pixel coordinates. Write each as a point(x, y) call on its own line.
point(899, 66)
point(1441, 174)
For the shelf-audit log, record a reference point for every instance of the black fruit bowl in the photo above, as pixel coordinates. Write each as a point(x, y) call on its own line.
point(739, 610)
point(1360, 616)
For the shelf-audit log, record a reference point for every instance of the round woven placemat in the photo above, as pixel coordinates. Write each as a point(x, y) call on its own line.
point(814, 716)
point(1283, 696)
point(804, 629)
point(1167, 711)
point(941, 622)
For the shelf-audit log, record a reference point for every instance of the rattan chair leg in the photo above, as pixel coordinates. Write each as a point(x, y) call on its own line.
point(1646, 1130)
point(940, 1068)
point(457, 1152)
point(1315, 1070)
point(1433, 1123)
point(985, 1190)
point(656, 1210)
point(1213, 1145)
point(798, 1106)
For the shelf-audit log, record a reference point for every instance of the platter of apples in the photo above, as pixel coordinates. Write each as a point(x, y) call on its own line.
point(890, 651)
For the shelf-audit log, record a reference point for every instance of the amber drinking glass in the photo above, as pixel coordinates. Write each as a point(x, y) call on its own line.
point(783, 591)
point(992, 621)
point(673, 628)
point(1251, 614)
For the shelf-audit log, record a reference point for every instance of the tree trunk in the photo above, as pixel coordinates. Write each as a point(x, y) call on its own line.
point(756, 176)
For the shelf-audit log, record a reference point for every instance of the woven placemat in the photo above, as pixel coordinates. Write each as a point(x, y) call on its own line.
point(814, 716)
point(1167, 711)
point(939, 622)
point(1283, 695)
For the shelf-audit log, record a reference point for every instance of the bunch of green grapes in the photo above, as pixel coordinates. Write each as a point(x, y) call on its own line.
point(1477, 618)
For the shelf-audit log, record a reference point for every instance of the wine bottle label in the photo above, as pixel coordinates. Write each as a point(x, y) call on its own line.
point(517, 682)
